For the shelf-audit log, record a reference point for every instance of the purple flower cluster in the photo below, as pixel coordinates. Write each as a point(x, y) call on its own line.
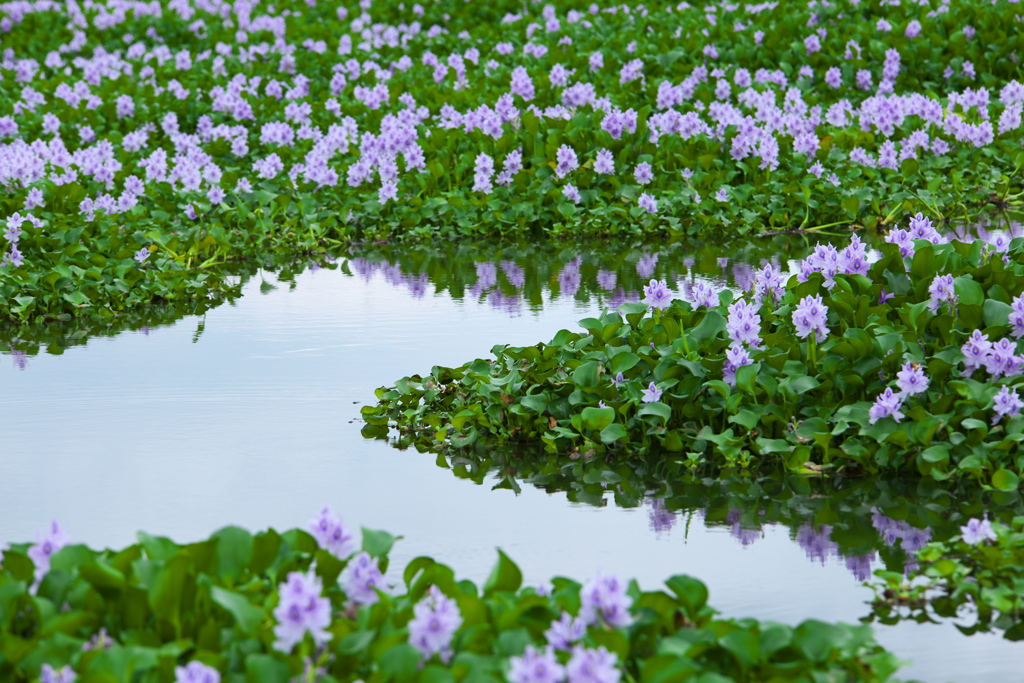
point(977, 531)
point(330, 533)
point(941, 292)
point(811, 316)
point(829, 261)
point(1007, 404)
point(657, 295)
point(435, 620)
point(565, 631)
point(361, 579)
point(196, 672)
point(63, 675)
point(744, 323)
point(603, 599)
point(301, 609)
point(999, 358)
point(920, 229)
point(910, 380)
point(536, 666)
point(46, 546)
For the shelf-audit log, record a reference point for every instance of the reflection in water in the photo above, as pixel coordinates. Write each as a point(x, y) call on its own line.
point(815, 539)
point(512, 279)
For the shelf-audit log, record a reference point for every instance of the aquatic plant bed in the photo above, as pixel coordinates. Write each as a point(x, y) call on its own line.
point(143, 147)
point(909, 364)
point(305, 605)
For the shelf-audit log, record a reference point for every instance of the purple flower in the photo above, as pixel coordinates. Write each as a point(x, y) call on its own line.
point(142, 254)
point(887, 404)
point(45, 548)
point(1007, 404)
point(657, 295)
point(435, 621)
point(736, 356)
point(63, 675)
point(603, 597)
point(482, 173)
point(196, 672)
point(1017, 317)
point(744, 323)
point(911, 379)
point(301, 609)
point(571, 194)
point(884, 297)
point(811, 315)
point(977, 530)
point(360, 579)
point(976, 352)
point(913, 29)
point(331, 535)
point(536, 666)
point(651, 394)
point(648, 203)
point(1003, 359)
point(834, 77)
point(388, 191)
point(642, 173)
point(604, 163)
point(190, 212)
point(619, 380)
point(768, 285)
point(566, 161)
point(565, 631)
point(592, 666)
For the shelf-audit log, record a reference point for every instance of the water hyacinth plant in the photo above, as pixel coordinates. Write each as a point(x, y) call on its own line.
point(269, 607)
point(138, 167)
point(832, 374)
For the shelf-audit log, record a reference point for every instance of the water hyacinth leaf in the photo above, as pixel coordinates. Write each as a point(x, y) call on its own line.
point(656, 409)
point(1005, 480)
point(356, 643)
point(692, 594)
point(504, 576)
point(234, 551)
point(598, 418)
point(622, 362)
point(400, 663)
point(246, 615)
point(613, 432)
point(969, 291)
point(586, 374)
point(997, 313)
point(378, 543)
point(262, 668)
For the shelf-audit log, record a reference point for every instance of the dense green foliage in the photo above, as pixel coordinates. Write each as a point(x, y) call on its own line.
point(161, 605)
point(799, 406)
point(179, 68)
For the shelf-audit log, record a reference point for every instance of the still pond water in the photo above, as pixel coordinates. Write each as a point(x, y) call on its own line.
point(249, 415)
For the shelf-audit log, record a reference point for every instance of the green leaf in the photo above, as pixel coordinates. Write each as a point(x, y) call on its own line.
point(505, 576)
point(378, 543)
point(657, 409)
point(598, 418)
point(247, 616)
point(260, 668)
point(400, 662)
point(997, 313)
point(692, 594)
point(1005, 480)
point(613, 432)
point(234, 552)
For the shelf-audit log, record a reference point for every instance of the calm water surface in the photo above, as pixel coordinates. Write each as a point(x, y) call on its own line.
point(249, 416)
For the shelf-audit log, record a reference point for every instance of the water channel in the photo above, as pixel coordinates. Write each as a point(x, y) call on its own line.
point(249, 415)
